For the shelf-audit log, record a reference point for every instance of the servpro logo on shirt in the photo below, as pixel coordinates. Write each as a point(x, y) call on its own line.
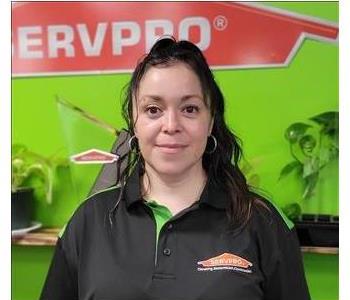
point(225, 261)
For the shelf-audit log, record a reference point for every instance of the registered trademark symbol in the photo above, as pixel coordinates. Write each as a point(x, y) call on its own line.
point(220, 22)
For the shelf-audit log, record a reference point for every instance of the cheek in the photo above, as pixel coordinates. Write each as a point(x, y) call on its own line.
point(146, 131)
point(200, 137)
point(201, 130)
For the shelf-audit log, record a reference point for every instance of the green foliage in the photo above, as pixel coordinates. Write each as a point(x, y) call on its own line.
point(292, 211)
point(30, 169)
point(248, 169)
point(295, 131)
point(313, 145)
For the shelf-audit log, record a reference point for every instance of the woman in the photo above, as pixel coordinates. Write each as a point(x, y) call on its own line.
point(182, 223)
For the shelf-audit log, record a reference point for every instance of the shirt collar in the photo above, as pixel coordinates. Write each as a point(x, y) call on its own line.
point(212, 194)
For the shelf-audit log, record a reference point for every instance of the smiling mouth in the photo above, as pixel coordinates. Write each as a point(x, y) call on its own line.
point(165, 148)
point(172, 146)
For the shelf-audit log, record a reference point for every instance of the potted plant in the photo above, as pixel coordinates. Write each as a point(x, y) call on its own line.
point(313, 146)
point(32, 176)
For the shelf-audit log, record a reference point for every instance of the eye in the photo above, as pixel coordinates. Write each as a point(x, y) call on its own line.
point(153, 111)
point(191, 109)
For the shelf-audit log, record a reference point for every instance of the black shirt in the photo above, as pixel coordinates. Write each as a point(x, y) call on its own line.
point(197, 256)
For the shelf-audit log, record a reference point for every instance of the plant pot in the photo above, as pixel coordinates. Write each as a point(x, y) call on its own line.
point(21, 208)
point(318, 230)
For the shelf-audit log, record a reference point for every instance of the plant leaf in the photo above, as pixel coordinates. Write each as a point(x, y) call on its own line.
point(326, 118)
point(34, 170)
point(329, 122)
point(292, 211)
point(295, 131)
point(325, 155)
point(311, 182)
point(307, 144)
point(311, 166)
point(289, 168)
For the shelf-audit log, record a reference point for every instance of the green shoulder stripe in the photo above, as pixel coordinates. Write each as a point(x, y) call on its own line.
point(62, 230)
point(288, 222)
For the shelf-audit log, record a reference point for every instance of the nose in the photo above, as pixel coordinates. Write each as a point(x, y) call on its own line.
point(172, 122)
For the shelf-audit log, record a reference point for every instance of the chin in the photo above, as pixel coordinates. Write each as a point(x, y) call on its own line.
point(170, 168)
point(167, 167)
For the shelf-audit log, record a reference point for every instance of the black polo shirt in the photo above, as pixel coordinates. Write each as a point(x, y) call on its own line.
point(196, 256)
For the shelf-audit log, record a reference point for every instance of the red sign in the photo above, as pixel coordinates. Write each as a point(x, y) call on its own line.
point(94, 156)
point(107, 37)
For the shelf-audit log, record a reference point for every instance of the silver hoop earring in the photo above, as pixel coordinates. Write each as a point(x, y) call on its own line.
point(215, 144)
point(130, 142)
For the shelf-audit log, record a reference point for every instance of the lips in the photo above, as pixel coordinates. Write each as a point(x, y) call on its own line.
point(171, 148)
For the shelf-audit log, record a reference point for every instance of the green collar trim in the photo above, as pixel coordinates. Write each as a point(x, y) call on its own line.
point(161, 214)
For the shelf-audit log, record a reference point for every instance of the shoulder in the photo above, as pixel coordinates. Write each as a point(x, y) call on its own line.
point(273, 232)
point(93, 209)
point(265, 214)
point(103, 199)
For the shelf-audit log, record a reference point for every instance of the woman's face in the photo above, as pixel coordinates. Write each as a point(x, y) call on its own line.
point(172, 120)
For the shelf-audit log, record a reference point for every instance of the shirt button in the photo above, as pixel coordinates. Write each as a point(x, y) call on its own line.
point(167, 251)
point(170, 226)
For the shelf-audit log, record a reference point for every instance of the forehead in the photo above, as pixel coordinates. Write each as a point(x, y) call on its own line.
point(175, 80)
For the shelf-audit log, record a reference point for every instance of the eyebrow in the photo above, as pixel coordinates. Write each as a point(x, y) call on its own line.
point(157, 98)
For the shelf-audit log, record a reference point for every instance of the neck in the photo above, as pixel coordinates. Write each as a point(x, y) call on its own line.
point(176, 192)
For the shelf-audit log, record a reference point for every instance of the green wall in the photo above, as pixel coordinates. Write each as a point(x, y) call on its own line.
point(261, 103)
